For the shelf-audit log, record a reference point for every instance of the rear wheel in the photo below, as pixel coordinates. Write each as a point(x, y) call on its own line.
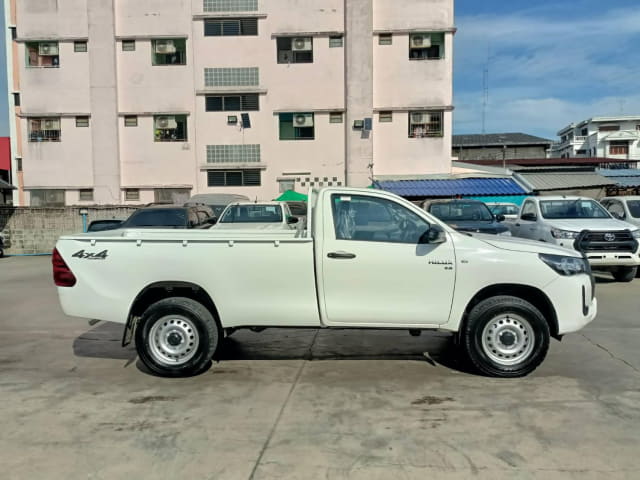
point(505, 336)
point(177, 337)
point(624, 274)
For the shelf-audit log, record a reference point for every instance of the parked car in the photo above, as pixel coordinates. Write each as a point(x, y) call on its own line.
point(507, 210)
point(467, 216)
point(624, 208)
point(266, 215)
point(217, 202)
point(503, 298)
point(170, 216)
point(608, 243)
point(102, 225)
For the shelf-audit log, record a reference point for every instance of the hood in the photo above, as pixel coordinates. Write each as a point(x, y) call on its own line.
point(594, 224)
point(479, 227)
point(521, 245)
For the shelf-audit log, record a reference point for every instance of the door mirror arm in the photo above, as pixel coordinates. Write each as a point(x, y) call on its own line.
point(434, 235)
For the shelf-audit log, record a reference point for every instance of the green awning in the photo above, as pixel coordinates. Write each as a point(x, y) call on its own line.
point(292, 196)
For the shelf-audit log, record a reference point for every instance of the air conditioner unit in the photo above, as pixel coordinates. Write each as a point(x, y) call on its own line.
point(166, 122)
point(303, 120)
point(48, 49)
point(165, 46)
point(50, 124)
point(420, 41)
point(418, 118)
point(301, 44)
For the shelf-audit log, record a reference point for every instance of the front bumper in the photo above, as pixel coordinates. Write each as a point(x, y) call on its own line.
point(574, 302)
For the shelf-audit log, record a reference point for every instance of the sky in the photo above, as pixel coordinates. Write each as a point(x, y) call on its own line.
point(549, 64)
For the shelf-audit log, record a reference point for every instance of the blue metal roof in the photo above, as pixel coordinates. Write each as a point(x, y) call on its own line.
point(630, 182)
point(619, 172)
point(453, 187)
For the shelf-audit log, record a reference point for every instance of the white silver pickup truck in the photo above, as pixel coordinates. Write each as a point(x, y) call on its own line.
point(584, 225)
point(367, 259)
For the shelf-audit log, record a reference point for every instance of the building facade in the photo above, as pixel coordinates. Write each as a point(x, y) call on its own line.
point(499, 146)
point(119, 102)
point(610, 137)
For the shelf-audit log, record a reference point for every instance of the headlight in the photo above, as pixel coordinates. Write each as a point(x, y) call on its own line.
point(565, 265)
point(506, 233)
point(565, 234)
point(636, 234)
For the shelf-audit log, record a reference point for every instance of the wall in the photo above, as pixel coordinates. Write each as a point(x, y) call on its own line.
point(36, 230)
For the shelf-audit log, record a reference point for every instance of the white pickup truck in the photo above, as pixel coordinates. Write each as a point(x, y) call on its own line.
point(584, 225)
point(368, 259)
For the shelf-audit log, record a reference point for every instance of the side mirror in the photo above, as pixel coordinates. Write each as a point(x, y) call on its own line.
point(500, 218)
point(292, 220)
point(435, 234)
point(529, 217)
point(211, 220)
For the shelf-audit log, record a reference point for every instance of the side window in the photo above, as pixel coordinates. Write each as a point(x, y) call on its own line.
point(616, 209)
point(373, 219)
point(529, 208)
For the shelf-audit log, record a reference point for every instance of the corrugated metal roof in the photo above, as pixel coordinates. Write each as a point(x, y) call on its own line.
point(6, 186)
point(452, 188)
point(563, 181)
point(630, 182)
point(619, 172)
point(497, 139)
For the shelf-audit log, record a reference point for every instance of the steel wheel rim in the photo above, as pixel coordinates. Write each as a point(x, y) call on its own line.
point(173, 340)
point(508, 339)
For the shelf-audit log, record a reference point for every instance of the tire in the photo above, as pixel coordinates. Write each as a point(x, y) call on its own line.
point(186, 337)
point(511, 320)
point(624, 274)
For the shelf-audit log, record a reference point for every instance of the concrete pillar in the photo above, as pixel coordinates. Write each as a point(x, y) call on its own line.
point(359, 89)
point(104, 101)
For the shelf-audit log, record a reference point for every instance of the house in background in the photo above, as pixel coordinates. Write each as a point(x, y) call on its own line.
point(499, 146)
point(611, 137)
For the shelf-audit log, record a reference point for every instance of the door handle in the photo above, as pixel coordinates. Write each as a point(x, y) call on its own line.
point(342, 255)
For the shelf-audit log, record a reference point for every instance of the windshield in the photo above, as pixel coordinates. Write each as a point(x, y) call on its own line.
point(634, 208)
point(252, 214)
point(556, 209)
point(504, 209)
point(171, 218)
point(461, 212)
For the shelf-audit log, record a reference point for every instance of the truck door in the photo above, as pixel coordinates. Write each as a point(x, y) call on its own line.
point(526, 225)
point(373, 270)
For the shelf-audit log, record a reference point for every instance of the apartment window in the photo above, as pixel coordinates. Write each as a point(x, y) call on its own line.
point(385, 117)
point(176, 196)
point(169, 51)
point(584, 132)
point(42, 54)
point(335, 117)
point(19, 164)
point(232, 77)
point(335, 41)
point(232, 103)
point(385, 39)
point(234, 178)
point(426, 46)
point(16, 99)
point(609, 128)
point(230, 5)
point(231, 27)
point(132, 194)
point(80, 46)
point(44, 129)
point(170, 128)
point(581, 152)
point(82, 121)
point(286, 185)
point(425, 124)
point(295, 49)
point(130, 121)
point(85, 195)
point(248, 153)
point(619, 147)
point(47, 198)
point(297, 126)
point(14, 32)
point(638, 127)
point(128, 45)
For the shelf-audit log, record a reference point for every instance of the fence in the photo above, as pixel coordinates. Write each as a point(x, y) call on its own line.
point(29, 230)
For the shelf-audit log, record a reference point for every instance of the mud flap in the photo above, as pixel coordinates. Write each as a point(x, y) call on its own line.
point(129, 329)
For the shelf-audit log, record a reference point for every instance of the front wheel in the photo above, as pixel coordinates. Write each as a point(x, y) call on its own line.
point(624, 274)
point(177, 337)
point(505, 336)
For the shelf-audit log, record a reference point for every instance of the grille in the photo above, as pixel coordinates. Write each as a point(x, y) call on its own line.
point(622, 241)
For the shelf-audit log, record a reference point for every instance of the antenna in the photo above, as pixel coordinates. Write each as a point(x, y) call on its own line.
point(485, 92)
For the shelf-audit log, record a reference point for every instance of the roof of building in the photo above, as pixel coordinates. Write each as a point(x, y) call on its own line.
point(552, 161)
point(6, 186)
point(619, 172)
point(452, 187)
point(563, 180)
point(609, 119)
point(627, 182)
point(498, 139)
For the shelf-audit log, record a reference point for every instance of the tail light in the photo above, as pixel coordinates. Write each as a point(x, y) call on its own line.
point(62, 274)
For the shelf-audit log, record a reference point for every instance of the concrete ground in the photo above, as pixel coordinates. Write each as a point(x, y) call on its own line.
point(306, 404)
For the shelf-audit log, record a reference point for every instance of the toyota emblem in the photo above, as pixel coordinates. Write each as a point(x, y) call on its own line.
point(609, 237)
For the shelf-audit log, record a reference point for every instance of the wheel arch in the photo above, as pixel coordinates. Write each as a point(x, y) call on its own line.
point(533, 295)
point(160, 290)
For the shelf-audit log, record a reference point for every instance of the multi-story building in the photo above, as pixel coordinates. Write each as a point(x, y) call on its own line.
point(139, 101)
point(611, 137)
